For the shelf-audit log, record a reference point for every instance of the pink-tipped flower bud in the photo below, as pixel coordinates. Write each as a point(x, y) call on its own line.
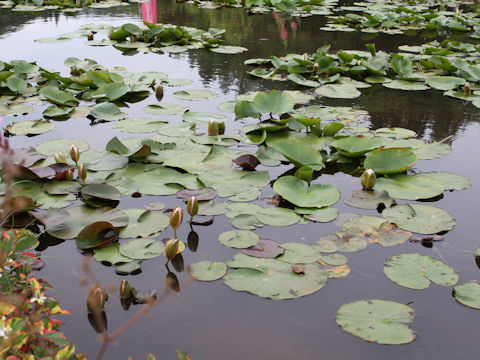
point(69, 174)
point(192, 206)
point(176, 218)
point(467, 90)
point(368, 179)
point(212, 128)
point(96, 299)
point(74, 153)
point(82, 172)
point(172, 248)
point(60, 158)
point(125, 290)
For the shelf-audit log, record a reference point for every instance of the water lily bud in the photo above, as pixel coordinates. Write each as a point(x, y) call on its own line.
point(457, 10)
point(176, 218)
point(172, 248)
point(90, 36)
point(96, 299)
point(82, 172)
point(125, 290)
point(467, 91)
point(212, 128)
point(315, 67)
point(192, 206)
point(60, 158)
point(159, 91)
point(74, 154)
point(368, 179)
point(133, 38)
point(221, 128)
point(69, 174)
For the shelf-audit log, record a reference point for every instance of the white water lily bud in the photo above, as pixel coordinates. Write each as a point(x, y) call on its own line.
point(172, 248)
point(74, 153)
point(315, 67)
point(96, 299)
point(82, 172)
point(368, 179)
point(159, 91)
point(90, 36)
point(467, 90)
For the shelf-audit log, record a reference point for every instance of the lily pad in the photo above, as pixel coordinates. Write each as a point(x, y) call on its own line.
point(444, 82)
point(409, 187)
point(128, 268)
point(30, 127)
point(450, 181)
point(302, 194)
point(299, 154)
point(265, 249)
point(107, 111)
point(390, 161)
point(355, 146)
point(416, 271)
point(276, 216)
point(165, 109)
point(142, 248)
point(323, 215)
point(193, 95)
point(338, 91)
point(228, 49)
point(95, 235)
point(420, 218)
point(273, 279)
point(275, 102)
point(378, 321)
point(110, 254)
point(239, 239)
point(143, 223)
point(370, 200)
point(53, 146)
point(468, 294)
point(208, 270)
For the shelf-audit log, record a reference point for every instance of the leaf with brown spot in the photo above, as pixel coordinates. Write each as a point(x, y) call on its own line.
point(201, 195)
point(265, 249)
point(247, 162)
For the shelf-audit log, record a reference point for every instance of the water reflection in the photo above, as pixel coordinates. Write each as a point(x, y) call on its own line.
point(149, 11)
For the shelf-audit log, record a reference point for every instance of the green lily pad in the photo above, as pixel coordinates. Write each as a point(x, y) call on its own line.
point(110, 254)
point(378, 321)
point(302, 194)
point(433, 150)
point(355, 146)
point(51, 147)
point(449, 181)
point(143, 223)
point(15, 109)
point(143, 248)
point(390, 161)
point(239, 239)
point(444, 82)
point(273, 279)
point(375, 230)
point(211, 208)
point(323, 215)
point(103, 160)
point(195, 95)
point(228, 49)
point(58, 96)
point(276, 216)
point(297, 253)
point(95, 235)
point(416, 271)
point(202, 117)
point(370, 200)
point(208, 270)
point(101, 191)
point(395, 132)
point(107, 111)
point(67, 224)
point(409, 187)
point(338, 91)
point(468, 294)
point(53, 111)
point(299, 154)
point(420, 218)
point(265, 249)
point(128, 268)
point(30, 127)
point(341, 241)
point(165, 109)
point(406, 85)
point(275, 102)
point(139, 125)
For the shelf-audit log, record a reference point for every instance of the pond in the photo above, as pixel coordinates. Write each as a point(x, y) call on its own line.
point(208, 320)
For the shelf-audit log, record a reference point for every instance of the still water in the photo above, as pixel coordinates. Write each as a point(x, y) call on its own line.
point(208, 320)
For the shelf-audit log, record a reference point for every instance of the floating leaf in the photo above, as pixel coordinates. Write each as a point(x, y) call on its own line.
point(30, 127)
point(143, 223)
point(390, 161)
point(142, 248)
point(409, 187)
point(297, 253)
point(415, 271)
point(273, 279)
point(338, 91)
point(277, 216)
point(165, 109)
point(420, 218)
point(444, 82)
point(201, 195)
point(53, 146)
point(208, 270)
point(239, 239)
point(299, 154)
point(97, 234)
point(378, 321)
point(195, 95)
point(301, 194)
point(58, 96)
point(275, 102)
point(323, 215)
point(265, 249)
point(370, 200)
point(355, 146)
point(449, 181)
point(107, 111)
point(468, 294)
point(228, 49)
point(128, 268)
point(110, 254)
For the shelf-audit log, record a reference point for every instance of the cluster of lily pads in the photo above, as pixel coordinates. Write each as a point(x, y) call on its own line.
point(158, 38)
point(449, 66)
point(398, 18)
point(64, 5)
point(291, 7)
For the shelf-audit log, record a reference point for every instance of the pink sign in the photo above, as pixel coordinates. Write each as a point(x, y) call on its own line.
point(149, 11)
